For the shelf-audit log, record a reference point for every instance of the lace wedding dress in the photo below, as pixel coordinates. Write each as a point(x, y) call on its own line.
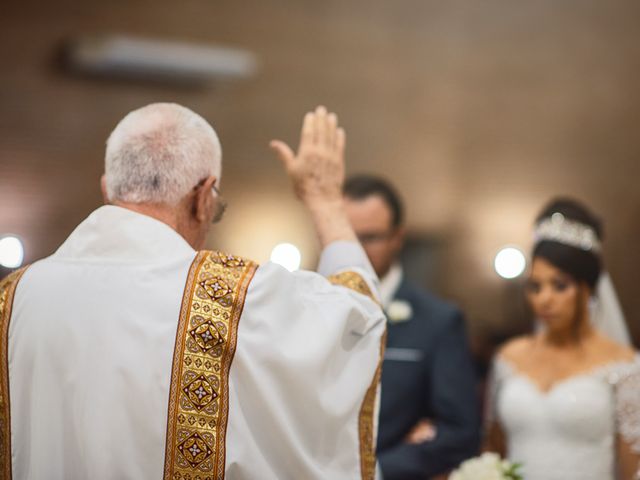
point(568, 432)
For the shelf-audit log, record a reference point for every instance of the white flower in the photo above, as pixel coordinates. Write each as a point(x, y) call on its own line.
point(399, 311)
point(488, 466)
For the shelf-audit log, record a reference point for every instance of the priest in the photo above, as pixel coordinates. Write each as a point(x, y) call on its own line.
point(131, 352)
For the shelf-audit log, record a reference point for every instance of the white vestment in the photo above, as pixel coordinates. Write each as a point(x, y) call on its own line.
point(91, 344)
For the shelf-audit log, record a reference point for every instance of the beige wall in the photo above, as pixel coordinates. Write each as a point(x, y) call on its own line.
point(479, 111)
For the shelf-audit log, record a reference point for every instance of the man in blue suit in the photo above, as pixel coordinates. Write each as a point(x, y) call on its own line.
point(429, 419)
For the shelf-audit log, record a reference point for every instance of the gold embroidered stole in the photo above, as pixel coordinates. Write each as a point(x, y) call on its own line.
point(7, 290)
point(366, 419)
point(205, 345)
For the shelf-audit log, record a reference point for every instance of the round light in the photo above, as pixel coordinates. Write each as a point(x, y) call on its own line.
point(510, 262)
point(11, 252)
point(287, 255)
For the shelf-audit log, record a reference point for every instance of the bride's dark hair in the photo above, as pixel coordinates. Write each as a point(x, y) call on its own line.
point(582, 265)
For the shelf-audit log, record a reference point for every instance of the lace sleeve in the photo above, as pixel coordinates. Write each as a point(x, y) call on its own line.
point(494, 381)
point(628, 406)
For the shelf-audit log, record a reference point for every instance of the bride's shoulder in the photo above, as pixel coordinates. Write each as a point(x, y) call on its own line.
point(515, 349)
point(614, 351)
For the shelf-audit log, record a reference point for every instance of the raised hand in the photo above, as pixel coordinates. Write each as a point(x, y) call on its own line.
point(317, 169)
point(317, 173)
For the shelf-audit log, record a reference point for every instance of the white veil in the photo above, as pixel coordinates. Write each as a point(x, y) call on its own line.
point(606, 313)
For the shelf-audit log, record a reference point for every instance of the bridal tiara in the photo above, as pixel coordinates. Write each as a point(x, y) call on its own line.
point(568, 232)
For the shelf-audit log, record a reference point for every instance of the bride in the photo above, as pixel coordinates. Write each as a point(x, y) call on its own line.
point(565, 401)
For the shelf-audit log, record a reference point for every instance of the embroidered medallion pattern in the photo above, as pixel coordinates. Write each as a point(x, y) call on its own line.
point(7, 290)
point(205, 344)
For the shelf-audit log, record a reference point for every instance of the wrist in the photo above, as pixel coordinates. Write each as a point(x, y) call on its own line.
point(317, 203)
point(331, 221)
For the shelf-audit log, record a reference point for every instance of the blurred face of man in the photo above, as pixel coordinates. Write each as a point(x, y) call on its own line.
point(372, 221)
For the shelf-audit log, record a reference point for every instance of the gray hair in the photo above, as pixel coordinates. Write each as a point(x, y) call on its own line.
point(158, 153)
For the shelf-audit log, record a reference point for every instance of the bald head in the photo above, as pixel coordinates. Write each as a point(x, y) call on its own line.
point(158, 153)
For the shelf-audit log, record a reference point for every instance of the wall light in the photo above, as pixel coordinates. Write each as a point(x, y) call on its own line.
point(510, 262)
point(287, 255)
point(11, 252)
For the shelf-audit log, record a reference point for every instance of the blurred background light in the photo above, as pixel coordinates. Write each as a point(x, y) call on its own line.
point(11, 252)
point(510, 262)
point(287, 255)
point(157, 59)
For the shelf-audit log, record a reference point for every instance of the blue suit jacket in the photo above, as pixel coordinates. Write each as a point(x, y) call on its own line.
point(427, 373)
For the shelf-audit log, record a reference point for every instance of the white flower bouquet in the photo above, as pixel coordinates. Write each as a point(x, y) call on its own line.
point(488, 466)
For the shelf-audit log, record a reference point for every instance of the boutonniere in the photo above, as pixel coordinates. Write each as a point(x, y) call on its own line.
point(399, 311)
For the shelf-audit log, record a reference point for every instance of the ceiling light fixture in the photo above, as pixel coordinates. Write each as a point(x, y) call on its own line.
point(157, 60)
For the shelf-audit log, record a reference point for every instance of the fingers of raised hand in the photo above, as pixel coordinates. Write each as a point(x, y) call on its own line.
point(332, 130)
point(319, 129)
point(321, 140)
point(340, 141)
point(320, 136)
point(284, 153)
point(326, 129)
point(307, 135)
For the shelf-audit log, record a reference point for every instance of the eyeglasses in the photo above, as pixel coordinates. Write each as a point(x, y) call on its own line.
point(221, 205)
point(374, 237)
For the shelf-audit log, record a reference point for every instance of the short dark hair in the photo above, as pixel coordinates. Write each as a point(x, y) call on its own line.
point(582, 265)
point(359, 187)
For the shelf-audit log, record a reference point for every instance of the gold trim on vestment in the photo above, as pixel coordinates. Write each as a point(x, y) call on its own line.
point(205, 345)
point(7, 290)
point(355, 282)
point(366, 420)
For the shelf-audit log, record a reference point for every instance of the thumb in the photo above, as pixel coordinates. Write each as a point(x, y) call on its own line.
point(283, 151)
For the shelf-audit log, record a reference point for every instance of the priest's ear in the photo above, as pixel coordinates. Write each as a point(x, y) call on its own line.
point(103, 189)
point(202, 206)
